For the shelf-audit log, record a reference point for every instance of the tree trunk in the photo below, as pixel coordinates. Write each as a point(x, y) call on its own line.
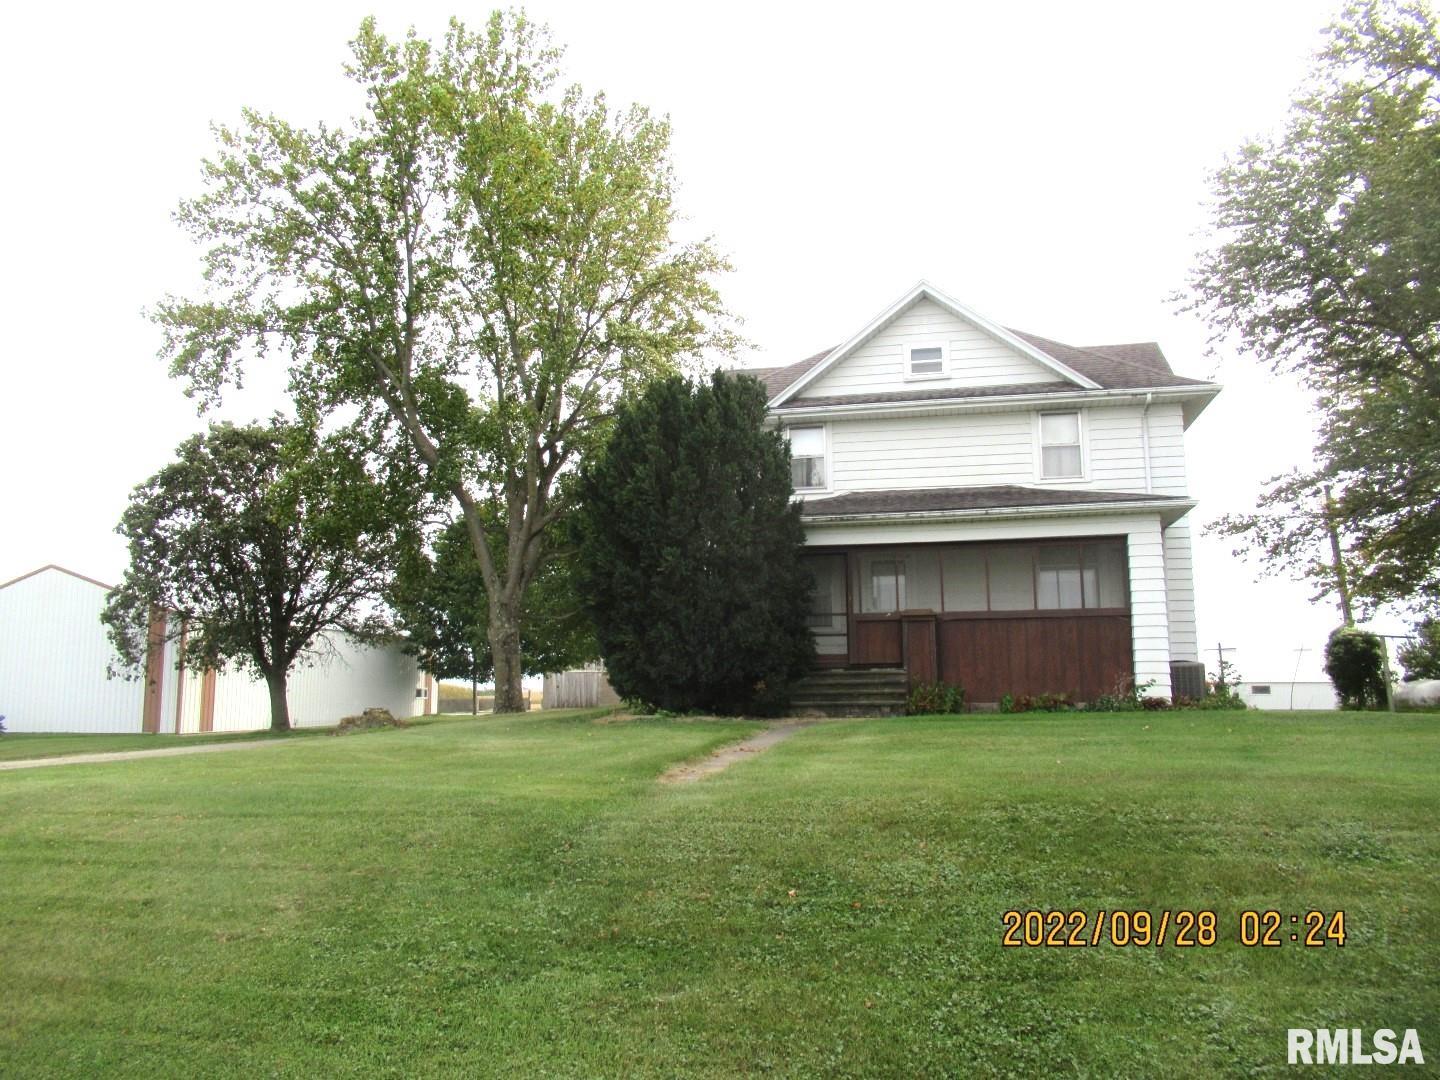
point(474, 693)
point(279, 707)
point(505, 647)
point(1342, 584)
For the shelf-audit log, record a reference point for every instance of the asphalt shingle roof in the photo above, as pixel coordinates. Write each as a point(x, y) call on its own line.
point(1128, 366)
point(1135, 365)
point(923, 500)
point(952, 393)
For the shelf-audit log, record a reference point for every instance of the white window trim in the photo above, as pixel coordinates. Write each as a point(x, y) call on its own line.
point(829, 478)
point(1083, 427)
point(907, 347)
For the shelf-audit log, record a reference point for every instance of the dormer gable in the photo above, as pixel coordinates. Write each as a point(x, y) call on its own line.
point(927, 341)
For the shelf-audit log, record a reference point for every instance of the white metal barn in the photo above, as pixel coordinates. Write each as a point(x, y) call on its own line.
point(54, 656)
point(1288, 695)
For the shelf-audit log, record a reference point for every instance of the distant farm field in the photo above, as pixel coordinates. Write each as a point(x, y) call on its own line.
point(521, 897)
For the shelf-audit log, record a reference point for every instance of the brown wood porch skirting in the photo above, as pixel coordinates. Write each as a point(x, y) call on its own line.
point(1081, 653)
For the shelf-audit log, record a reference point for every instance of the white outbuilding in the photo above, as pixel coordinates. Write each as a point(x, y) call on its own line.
point(55, 657)
point(1287, 695)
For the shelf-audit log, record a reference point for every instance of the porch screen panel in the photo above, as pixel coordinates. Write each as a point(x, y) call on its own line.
point(1058, 578)
point(1106, 562)
point(922, 582)
point(882, 584)
point(1012, 579)
point(827, 604)
point(964, 576)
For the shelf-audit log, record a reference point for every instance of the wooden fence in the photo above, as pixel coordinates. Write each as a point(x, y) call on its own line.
point(577, 690)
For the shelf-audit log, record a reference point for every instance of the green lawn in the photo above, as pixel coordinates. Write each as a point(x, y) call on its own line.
point(519, 897)
point(17, 746)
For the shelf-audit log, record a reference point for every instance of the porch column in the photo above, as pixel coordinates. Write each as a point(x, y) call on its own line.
point(1149, 614)
point(1181, 592)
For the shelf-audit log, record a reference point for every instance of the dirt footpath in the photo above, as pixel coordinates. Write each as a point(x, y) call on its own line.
point(135, 755)
point(728, 755)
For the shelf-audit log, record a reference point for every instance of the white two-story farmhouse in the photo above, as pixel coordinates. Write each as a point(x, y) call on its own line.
point(992, 508)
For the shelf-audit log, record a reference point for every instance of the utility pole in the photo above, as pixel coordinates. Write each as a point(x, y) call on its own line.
point(1385, 640)
point(1300, 655)
point(1389, 678)
point(1342, 583)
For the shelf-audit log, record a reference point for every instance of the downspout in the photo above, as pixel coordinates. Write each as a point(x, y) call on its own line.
point(1145, 442)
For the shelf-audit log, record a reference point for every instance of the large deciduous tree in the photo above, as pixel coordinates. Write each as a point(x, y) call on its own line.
point(1325, 262)
point(440, 603)
point(689, 551)
point(255, 541)
point(1420, 654)
point(478, 258)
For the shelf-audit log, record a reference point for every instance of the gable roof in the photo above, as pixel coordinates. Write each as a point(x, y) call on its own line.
point(61, 569)
point(923, 290)
point(1138, 365)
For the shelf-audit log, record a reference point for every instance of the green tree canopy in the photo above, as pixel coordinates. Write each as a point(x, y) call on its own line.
point(256, 540)
point(440, 603)
point(1420, 655)
point(689, 551)
point(1325, 262)
point(479, 258)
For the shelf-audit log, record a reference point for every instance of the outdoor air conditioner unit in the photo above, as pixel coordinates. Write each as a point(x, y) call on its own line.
point(1187, 679)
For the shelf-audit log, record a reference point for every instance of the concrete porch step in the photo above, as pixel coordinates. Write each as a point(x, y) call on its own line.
point(851, 692)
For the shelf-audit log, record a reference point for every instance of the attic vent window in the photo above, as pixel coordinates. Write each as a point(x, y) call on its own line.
point(925, 361)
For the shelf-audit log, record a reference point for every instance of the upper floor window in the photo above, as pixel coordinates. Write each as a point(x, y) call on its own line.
point(924, 361)
point(807, 457)
point(1060, 446)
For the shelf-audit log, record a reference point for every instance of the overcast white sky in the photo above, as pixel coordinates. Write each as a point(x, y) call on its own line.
point(1043, 162)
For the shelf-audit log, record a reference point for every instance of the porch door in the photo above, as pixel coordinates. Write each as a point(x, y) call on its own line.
point(898, 596)
point(827, 618)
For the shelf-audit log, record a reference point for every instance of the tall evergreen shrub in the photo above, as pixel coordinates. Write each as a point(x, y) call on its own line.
point(1355, 662)
point(689, 551)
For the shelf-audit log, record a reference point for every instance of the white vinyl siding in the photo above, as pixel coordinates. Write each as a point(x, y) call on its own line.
point(931, 451)
point(1149, 609)
point(979, 448)
point(1180, 588)
point(1167, 449)
point(972, 357)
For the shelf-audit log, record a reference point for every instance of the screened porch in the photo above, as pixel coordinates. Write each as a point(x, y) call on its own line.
point(1001, 618)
